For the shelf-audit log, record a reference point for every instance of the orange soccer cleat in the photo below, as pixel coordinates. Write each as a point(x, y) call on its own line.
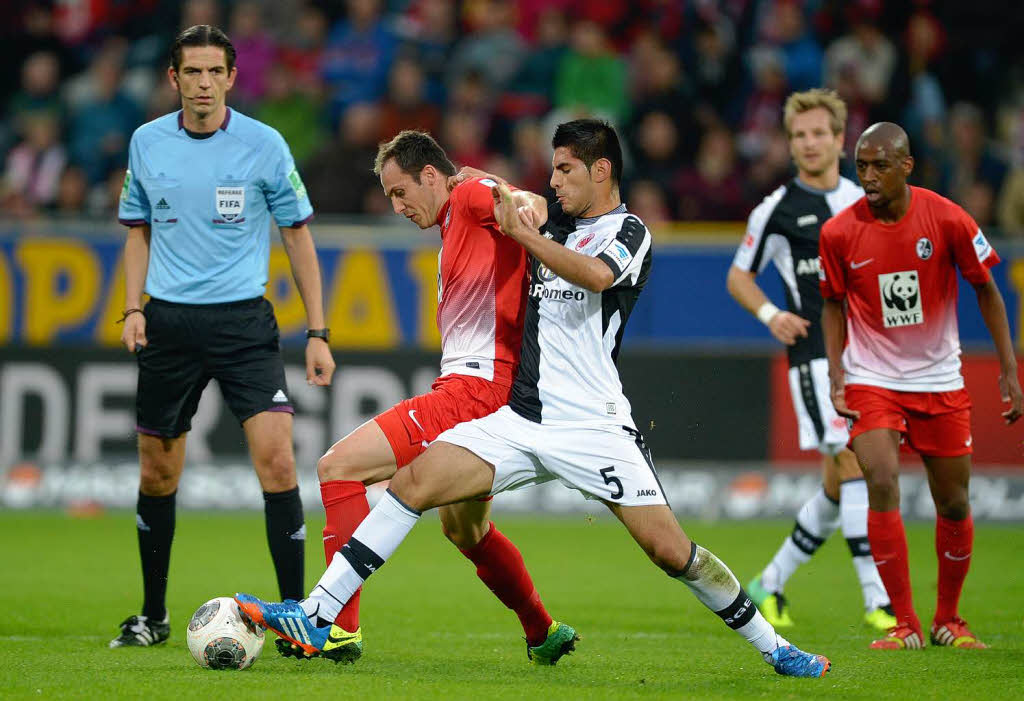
point(901, 637)
point(955, 633)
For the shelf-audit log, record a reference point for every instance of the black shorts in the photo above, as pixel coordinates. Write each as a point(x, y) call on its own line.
point(236, 343)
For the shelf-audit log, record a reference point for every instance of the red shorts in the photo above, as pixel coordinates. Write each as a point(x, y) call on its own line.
point(932, 423)
point(410, 425)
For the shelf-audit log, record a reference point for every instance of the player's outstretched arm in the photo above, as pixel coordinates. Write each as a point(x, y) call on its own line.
point(785, 326)
point(522, 223)
point(298, 244)
point(993, 311)
point(833, 326)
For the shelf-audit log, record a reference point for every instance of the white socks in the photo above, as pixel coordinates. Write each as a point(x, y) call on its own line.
point(853, 513)
point(817, 519)
point(373, 542)
point(717, 588)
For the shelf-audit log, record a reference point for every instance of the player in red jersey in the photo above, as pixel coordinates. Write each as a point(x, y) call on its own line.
point(481, 305)
point(894, 364)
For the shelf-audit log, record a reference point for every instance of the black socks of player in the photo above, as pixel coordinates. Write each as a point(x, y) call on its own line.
point(154, 521)
point(286, 534)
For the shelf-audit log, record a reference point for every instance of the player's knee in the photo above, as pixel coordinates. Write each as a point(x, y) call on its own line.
point(277, 473)
point(883, 482)
point(339, 464)
point(157, 478)
point(955, 506)
point(668, 556)
point(410, 489)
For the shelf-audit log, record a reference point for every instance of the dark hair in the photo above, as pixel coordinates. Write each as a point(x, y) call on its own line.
point(412, 151)
point(202, 35)
point(589, 140)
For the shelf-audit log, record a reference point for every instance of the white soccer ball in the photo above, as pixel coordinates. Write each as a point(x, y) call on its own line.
point(220, 636)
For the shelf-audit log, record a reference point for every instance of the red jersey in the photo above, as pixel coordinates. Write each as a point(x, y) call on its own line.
point(899, 282)
point(481, 287)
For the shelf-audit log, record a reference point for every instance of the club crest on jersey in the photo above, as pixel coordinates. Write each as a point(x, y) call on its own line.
point(901, 299)
point(230, 202)
point(924, 248)
point(584, 241)
point(545, 273)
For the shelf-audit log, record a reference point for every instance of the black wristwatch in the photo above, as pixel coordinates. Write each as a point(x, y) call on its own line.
point(325, 334)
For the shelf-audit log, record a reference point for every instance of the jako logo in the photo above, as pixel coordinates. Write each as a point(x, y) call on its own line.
point(647, 492)
point(901, 299)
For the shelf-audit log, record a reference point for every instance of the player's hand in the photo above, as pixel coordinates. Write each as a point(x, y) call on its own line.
point(837, 389)
point(506, 213)
point(1009, 391)
point(319, 362)
point(465, 173)
point(788, 327)
point(133, 335)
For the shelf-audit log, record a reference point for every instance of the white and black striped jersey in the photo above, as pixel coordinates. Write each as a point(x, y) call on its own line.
point(784, 229)
point(571, 336)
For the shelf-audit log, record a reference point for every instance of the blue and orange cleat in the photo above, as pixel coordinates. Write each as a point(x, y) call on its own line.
point(790, 661)
point(291, 624)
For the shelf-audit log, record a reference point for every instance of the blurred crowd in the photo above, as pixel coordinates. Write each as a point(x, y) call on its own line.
point(696, 88)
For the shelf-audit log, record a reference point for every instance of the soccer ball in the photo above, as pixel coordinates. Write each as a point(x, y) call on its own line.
point(220, 636)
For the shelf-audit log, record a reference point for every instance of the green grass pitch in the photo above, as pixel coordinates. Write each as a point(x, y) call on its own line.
point(433, 631)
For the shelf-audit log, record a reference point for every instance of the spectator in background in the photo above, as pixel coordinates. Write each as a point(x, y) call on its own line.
point(339, 177)
point(770, 169)
point(592, 77)
point(492, 47)
point(973, 173)
point(538, 72)
point(463, 135)
point(531, 156)
point(761, 115)
point(32, 174)
point(292, 111)
point(713, 188)
point(786, 29)
point(72, 193)
point(864, 56)
point(715, 69)
point(659, 84)
point(196, 12)
point(303, 49)
point(256, 51)
point(357, 57)
point(647, 200)
point(40, 81)
point(102, 125)
point(656, 147)
point(406, 105)
point(429, 25)
point(27, 33)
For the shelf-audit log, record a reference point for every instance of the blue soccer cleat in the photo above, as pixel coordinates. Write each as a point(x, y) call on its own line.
point(790, 661)
point(292, 624)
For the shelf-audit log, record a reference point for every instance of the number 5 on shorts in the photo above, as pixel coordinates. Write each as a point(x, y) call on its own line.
point(611, 479)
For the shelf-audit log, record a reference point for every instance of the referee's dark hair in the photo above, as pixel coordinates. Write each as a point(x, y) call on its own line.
point(589, 140)
point(202, 35)
point(412, 151)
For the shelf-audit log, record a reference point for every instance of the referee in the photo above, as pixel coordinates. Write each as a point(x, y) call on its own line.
point(201, 186)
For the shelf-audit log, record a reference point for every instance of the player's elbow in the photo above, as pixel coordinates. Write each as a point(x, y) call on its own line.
point(600, 279)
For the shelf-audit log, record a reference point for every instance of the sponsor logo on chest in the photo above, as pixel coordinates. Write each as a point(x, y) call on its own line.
point(230, 203)
point(901, 299)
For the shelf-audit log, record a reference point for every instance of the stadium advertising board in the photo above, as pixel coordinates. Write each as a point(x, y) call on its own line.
point(382, 293)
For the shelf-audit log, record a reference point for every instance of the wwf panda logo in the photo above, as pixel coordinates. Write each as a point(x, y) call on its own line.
point(924, 249)
point(901, 291)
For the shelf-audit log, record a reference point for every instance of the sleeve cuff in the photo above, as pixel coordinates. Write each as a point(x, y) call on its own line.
point(301, 222)
point(607, 260)
point(132, 222)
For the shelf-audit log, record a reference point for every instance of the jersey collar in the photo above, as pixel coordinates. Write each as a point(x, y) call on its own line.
point(223, 125)
point(444, 214)
point(587, 221)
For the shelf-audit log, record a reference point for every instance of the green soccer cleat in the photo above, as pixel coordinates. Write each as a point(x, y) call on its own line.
point(881, 618)
point(773, 606)
point(561, 641)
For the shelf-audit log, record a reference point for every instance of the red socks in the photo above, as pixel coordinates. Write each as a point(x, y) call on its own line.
point(889, 548)
point(346, 507)
point(953, 541)
point(500, 566)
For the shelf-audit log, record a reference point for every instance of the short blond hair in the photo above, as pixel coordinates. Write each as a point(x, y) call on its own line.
point(800, 102)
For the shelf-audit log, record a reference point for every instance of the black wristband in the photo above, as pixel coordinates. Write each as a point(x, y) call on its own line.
point(128, 312)
point(324, 334)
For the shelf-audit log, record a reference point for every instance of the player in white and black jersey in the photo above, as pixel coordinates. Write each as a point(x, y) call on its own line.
point(568, 419)
point(784, 230)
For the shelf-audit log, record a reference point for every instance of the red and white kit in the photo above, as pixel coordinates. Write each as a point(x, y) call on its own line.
point(481, 294)
point(902, 358)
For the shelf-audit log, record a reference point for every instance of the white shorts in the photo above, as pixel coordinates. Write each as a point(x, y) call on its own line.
point(604, 462)
point(821, 428)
